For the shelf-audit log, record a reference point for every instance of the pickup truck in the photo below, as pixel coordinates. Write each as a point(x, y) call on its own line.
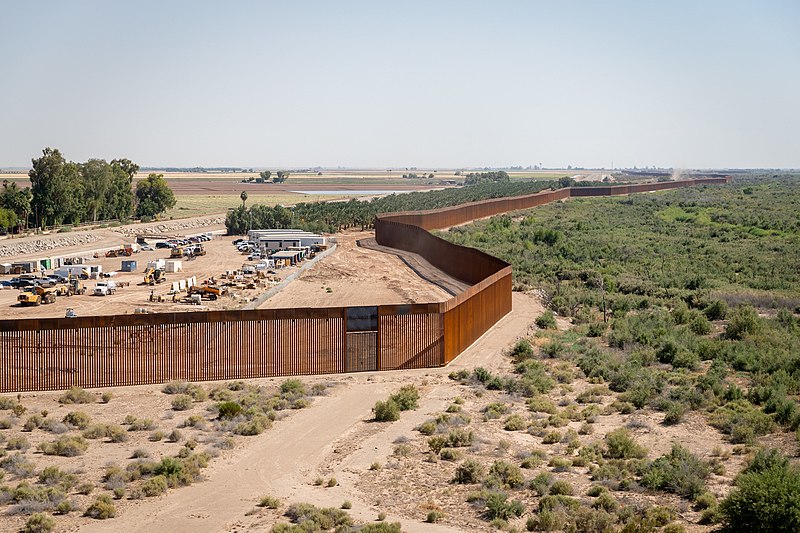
point(104, 288)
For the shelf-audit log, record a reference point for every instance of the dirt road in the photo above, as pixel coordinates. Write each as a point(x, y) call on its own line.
point(333, 438)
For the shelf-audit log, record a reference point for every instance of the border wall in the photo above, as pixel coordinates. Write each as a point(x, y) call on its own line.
point(119, 350)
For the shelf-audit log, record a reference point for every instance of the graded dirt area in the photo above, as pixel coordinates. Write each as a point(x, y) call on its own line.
point(220, 256)
point(355, 275)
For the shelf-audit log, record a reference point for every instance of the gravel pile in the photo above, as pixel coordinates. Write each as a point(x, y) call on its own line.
point(175, 226)
point(46, 243)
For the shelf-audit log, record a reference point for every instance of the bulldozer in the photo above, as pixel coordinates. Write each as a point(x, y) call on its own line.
point(75, 286)
point(209, 292)
point(176, 253)
point(36, 295)
point(153, 276)
point(120, 252)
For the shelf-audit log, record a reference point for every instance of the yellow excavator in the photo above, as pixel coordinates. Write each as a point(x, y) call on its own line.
point(153, 276)
point(176, 253)
point(36, 295)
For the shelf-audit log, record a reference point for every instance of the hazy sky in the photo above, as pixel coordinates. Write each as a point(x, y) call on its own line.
point(428, 83)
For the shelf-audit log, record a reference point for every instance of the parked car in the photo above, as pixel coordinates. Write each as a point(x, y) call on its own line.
point(163, 244)
point(236, 242)
point(146, 248)
point(255, 256)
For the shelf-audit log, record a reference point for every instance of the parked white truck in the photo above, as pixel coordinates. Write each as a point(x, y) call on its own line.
point(104, 288)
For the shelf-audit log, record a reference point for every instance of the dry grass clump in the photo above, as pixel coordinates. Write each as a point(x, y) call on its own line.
point(77, 395)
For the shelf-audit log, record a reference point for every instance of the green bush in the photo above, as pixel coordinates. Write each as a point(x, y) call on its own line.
point(228, 410)
point(39, 523)
point(561, 487)
point(293, 387)
point(499, 506)
point(504, 474)
point(182, 402)
point(680, 472)
point(742, 322)
point(65, 446)
point(515, 423)
point(468, 472)
point(522, 350)
point(620, 445)
point(102, 509)
point(79, 419)
point(386, 411)
point(546, 320)
point(77, 395)
point(154, 486)
point(270, 502)
point(406, 398)
point(766, 498)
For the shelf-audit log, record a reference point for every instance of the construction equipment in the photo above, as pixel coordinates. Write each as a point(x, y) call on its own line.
point(36, 295)
point(153, 276)
point(176, 253)
point(121, 252)
point(198, 250)
point(76, 286)
point(209, 292)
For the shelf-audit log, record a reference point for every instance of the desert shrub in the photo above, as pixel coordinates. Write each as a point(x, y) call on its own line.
point(293, 387)
point(427, 428)
point(716, 310)
point(51, 425)
point(741, 420)
point(65, 446)
point(459, 438)
point(175, 436)
point(504, 474)
point(85, 488)
point(541, 404)
point(674, 413)
point(546, 320)
point(495, 410)
point(450, 454)
point(102, 508)
point(79, 419)
point(700, 325)
point(406, 398)
point(561, 487)
point(332, 482)
point(318, 519)
point(347, 504)
point(437, 443)
point(742, 322)
point(255, 426)
point(386, 411)
point(142, 424)
point(39, 523)
point(499, 506)
point(270, 502)
point(52, 475)
point(116, 433)
point(620, 445)
point(7, 403)
point(106, 397)
point(540, 484)
point(182, 402)
point(522, 350)
point(766, 496)
point(154, 486)
point(77, 395)
point(552, 438)
point(680, 472)
point(17, 443)
point(33, 422)
point(515, 423)
point(434, 516)
point(156, 436)
point(228, 410)
point(468, 472)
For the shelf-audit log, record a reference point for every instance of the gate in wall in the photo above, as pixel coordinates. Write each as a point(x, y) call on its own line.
point(362, 339)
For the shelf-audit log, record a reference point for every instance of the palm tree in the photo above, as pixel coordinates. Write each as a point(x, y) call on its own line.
point(243, 196)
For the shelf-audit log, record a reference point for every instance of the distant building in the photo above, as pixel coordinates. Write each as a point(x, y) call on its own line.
point(283, 239)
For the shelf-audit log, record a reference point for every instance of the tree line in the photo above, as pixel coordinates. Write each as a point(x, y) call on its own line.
point(333, 216)
point(66, 192)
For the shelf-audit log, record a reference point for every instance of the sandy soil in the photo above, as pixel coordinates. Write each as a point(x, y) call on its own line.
point(358, 276)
